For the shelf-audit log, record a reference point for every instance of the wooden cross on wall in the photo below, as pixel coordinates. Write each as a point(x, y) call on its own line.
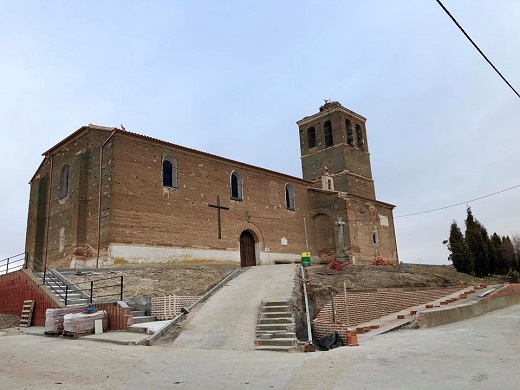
point(218, 207)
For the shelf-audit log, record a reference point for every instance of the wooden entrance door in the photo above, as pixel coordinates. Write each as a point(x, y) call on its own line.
point(247, 249)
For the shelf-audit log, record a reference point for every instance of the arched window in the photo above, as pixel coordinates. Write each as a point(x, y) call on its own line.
point(359, 136)
point(236, 186)
point(64, 182)
point(327, 129)
point(311, 137)
point(330, 184)
point(289, 197)
point(169, 171)
point(350, 133)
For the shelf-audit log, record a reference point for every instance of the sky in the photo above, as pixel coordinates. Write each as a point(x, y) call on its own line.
point(232, 77)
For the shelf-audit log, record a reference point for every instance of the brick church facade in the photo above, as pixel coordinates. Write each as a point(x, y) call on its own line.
point(105, 196)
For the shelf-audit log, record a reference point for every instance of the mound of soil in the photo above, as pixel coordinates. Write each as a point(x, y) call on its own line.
point(370, 277)
point(159, 280)
point(9, 321)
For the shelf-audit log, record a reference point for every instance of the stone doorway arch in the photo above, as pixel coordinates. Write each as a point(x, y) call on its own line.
point(247, 249)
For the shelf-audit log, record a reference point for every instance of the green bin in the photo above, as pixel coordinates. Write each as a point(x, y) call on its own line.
point(306, 259)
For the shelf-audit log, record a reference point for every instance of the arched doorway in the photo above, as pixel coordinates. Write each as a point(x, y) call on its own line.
point(247, 249)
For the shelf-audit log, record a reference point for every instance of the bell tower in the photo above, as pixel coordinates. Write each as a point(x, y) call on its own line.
point(333, 144)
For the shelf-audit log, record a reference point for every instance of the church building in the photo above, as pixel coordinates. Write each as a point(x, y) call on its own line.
point(105, 196)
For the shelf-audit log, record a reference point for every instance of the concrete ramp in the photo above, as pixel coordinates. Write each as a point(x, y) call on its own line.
point(228, 320)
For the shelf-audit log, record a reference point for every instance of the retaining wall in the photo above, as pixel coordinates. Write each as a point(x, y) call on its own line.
point(18, 286)
point(506, 296)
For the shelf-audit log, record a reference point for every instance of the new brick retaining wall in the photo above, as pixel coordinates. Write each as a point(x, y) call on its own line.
point(367, 306)
point(16, 287)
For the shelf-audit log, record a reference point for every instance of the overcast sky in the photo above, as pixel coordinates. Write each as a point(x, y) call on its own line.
point(232, 78)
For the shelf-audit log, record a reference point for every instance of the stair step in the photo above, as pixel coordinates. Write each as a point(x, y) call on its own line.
point(137, 313)
point(287, 342)
point(136, 329)
point(275, 308)
point(72, 302)
point(138, 320)
point(275, 327)
point(283, 321)
point(273, 334)
point(275, 348)
point(275, 303)
point(276, 314)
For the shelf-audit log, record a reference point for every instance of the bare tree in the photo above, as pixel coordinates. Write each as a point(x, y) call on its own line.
point(515, 239)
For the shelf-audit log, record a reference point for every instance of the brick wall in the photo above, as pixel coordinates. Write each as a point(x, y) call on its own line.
point(119, 317)
point(143, 212)
point(17, 287)
point(366, 306)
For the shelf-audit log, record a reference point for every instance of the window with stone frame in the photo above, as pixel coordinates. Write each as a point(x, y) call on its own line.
point(169, 172)
point(311, 137)
point(236, 186)
point(350, 133)
point(359, 138)
point(64, 182)
point(327, 129)
point(289, 197)
point(375, 238)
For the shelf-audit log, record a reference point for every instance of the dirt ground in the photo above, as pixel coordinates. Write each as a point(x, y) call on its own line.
point(160, 280)
point(369, 277)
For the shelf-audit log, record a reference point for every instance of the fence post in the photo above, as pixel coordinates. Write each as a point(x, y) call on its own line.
point(44, 274)
point(121, 295)
point(7, 267)
point(66, 294)
point(91, 290)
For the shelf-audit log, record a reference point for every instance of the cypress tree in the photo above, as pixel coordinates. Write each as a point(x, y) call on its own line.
point(460, 255)
point(508, 252)
point(501, 263)
point(477, 240)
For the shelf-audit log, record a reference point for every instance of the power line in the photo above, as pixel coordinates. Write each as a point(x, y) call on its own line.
point(476, 47)
point(458, 204)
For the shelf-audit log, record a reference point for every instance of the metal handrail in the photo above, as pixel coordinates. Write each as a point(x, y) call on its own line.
point(18, 260)
point(92, 287)
point(309, 330)
point(31, 262)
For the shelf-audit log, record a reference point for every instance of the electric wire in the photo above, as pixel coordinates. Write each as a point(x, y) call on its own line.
point(476, 47)
point(458, 204)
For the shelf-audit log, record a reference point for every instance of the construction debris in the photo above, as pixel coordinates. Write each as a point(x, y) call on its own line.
point(380, 261)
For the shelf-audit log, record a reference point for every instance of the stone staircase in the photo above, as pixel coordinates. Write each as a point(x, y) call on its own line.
point(275, 330)
point(140, 321)
point(58, 284)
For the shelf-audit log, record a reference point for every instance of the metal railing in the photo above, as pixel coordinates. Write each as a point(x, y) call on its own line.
point(13, 263)
point(96, 289)
point(92, 288)
point(307, 311)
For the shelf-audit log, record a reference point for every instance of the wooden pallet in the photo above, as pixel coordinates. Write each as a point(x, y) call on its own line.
point(27, 312)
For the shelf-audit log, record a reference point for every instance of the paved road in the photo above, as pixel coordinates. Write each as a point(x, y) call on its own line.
point(481, 353)
point(228, 320)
